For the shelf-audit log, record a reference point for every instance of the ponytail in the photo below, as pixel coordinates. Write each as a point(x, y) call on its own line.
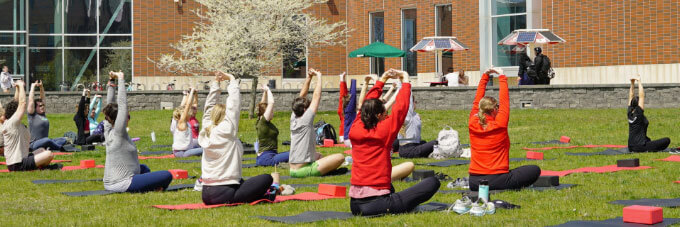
point(486, 106)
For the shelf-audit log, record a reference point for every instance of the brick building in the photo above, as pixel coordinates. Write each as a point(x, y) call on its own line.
point(78, 41)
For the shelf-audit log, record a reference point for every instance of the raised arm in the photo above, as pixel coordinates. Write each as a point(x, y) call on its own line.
point(641, 94)
point(343, 93)
point(212, 98)
point(111, 88)
point(185, 97)
point(98, 110)
point(81, 106)
point(269, 112)
point(481, 90)
point(233, 111)
point(16, 93)
point(21, 109)
point(42, 92)
point(31, 99)
point(631, 92)
point(386, 96)
point(503, 116)
point(364, 89)
point(316, 97)
point(401, 105)
point(352, 104)
point(122, 117)
point(396, 86)
point(182, 124)
point(305, 87)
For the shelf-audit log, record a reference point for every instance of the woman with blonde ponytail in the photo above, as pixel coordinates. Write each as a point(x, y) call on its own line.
point(222, 151)
point(489, 141)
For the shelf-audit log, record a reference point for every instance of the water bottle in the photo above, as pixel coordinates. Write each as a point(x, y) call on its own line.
point(153, 136)
point(484, 190)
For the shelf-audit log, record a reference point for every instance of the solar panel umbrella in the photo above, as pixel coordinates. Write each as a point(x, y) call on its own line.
point(439, 44)
point(530, 37)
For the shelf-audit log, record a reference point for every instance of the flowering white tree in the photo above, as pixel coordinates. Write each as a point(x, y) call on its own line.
point(246, 37)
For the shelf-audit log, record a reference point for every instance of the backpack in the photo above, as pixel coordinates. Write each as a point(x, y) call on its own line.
point(546, 69)
point(324, 131)
point(449, 145)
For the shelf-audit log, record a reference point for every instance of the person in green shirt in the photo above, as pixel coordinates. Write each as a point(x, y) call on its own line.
point(267, 133)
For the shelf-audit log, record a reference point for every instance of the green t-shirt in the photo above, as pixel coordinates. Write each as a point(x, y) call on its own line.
point(267, 135)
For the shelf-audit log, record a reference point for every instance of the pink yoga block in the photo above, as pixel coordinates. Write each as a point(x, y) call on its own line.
point(565, 139)
point(87, 163)
point(332, 190)
point(179, 173)
point(534, 155)
point(328, 143)
point(643, 214)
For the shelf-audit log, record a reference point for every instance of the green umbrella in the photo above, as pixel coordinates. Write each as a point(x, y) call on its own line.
point(378, 50)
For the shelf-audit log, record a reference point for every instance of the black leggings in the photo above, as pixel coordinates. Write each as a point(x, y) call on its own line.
point(395, 203)
point(414, 150)
point(517, 178)
point(94, 139)
point(652, 146)
point(248, 191)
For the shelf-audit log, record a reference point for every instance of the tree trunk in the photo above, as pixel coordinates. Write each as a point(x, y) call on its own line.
point(253, 98)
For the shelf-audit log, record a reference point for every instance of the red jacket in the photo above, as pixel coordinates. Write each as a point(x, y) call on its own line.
point(341, 110)
point(490, 146)
point(372, 165)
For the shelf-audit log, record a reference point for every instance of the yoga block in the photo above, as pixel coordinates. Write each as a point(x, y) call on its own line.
point(628, 162)
point(328, 143)
point(179, 173)
point(87, 163)
point(332, 190)
point(565, 139)
point(648, 215)
point(420, 174)
point(534, 155)
point(88, 147)
point(547, 181)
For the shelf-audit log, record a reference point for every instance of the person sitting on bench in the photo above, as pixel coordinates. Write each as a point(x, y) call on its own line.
point(222, 151)
point(489, 141)
point(15, 137)
point(267, 132)
point(372, 135)
point(304, 160)
point(122, 171)
point(638, 123)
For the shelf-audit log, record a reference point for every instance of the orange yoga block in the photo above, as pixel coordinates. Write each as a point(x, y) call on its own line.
point(534, 155)
point(87, 164)
point(179, 173)
point(565, 139)
point(332, 190)
point(648, 215)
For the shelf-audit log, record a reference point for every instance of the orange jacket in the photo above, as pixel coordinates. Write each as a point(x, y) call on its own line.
point(490, 146)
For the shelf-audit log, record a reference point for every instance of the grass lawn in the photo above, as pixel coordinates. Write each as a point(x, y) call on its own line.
point(24, 203)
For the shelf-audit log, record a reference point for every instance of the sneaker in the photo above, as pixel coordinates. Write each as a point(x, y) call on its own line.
point(462, 205)
point(442, 177)
point(55, 166)
point(490, 208)
point(477, 208)
point(198, 186)
point(287, 189)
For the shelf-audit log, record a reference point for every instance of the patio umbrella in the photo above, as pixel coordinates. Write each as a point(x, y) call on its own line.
point(531, 37)
point(439, 44)
point(377, 50)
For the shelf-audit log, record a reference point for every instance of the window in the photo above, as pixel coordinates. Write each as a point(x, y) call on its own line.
point(408, 40)
point(444, 27)
point(377, 34)
point(506, 16)
point(78, 41)
point(13, 36)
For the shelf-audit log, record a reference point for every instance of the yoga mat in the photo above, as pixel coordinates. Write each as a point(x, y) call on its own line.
point(317, 185)
point(161, 146)
point(156, 157)
point(62, 181)
point(571, 147)
point(605, 152)
point(305, 196)
point(549, 142)
point(69, 168)
point(53, 161)
point(601, 169)
point(540, 189)
point(105, 192)
point(314, 216)
point(526, 159)
point(155, 152)
point(61, 153)
point(672, 203)
point(447, 163)
point(672, 158)
point(199, 160)
point(618, 221)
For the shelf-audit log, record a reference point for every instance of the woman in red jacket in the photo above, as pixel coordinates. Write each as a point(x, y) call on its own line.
point(372, 136)
point(489, 141)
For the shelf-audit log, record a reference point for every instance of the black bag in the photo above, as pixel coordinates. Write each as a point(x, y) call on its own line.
point(531, 72)
point(324, 131)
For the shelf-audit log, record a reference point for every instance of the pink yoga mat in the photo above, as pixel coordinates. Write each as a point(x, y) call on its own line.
point(672, 158)
point(601, 169)
point(677, 182)
point(305, 196)
point(53, 161)
point(61, 153)
point(157, 157)
point(571, 147)
point(349, 152)
point(65, 168)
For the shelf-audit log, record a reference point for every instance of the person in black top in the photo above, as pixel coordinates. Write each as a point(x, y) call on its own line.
point(637, 123)
point(524, 63)
point(541, 66)
point(80, 118)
